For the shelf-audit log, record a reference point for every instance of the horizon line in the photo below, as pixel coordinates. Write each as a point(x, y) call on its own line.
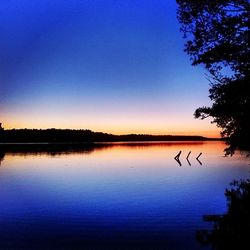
point(109, 133)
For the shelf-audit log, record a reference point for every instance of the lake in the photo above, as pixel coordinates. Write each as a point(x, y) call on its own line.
point(114, 196)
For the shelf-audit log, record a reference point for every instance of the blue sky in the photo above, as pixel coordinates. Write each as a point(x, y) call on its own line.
point(113, 65)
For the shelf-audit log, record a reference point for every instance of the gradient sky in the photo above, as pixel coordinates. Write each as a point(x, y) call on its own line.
point(115, 66)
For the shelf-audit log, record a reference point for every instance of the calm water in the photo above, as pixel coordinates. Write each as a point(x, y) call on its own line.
point(120, 196)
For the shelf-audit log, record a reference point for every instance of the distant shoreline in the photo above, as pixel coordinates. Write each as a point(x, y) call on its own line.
point(107, 142)
point(58, 140)
point(68, 136)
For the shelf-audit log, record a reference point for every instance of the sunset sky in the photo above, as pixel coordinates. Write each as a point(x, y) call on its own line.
point(116, 66)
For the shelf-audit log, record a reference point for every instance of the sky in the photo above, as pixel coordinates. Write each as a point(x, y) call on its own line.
point(116, 66)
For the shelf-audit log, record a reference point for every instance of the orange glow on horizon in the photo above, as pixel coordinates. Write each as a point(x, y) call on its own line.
point(118, 125)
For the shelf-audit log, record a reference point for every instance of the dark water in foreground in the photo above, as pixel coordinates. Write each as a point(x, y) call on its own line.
point(132, 196)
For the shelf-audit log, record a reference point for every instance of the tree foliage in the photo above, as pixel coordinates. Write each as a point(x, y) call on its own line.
point(217, 36)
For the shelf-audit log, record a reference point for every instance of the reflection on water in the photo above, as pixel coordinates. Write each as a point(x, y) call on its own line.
point(1, 156)
point(112, 196)
point(230, 230)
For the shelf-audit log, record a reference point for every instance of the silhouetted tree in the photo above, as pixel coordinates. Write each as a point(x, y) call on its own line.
point(217, 36)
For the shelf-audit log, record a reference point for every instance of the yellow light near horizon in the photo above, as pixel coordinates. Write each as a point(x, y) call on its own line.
point(155, 125)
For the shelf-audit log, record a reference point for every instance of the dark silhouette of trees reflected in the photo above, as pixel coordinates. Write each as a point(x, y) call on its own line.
point(51, 148)
point(217, 36)
point(232, 230)
point(1, 157)
point(59, 148)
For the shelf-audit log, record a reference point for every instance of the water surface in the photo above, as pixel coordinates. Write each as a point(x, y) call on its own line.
point(118, 196)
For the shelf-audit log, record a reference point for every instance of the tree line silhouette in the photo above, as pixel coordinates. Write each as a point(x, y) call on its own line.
point(81, 136)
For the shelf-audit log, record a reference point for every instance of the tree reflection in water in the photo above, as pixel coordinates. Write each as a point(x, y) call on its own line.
point(232, 230)
point(1, 157)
